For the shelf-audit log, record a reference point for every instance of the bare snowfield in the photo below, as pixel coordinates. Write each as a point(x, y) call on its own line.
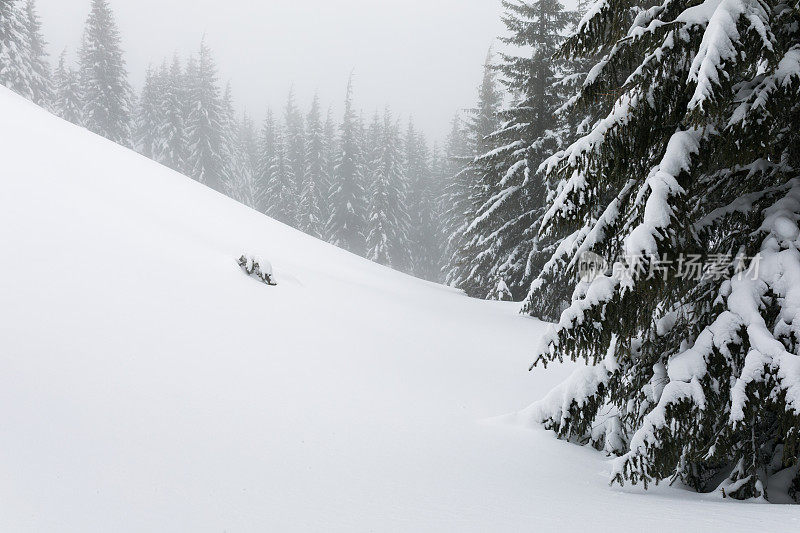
point(147, 384)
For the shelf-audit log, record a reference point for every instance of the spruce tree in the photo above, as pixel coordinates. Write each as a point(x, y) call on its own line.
point(233, 184)
point(295, 148)
point(15, 66)
point(454, 200)
point(689, 189)
point(472, 189)
point(148, 114)
point(107, 96)
point(330, 150)
point(245, 157)
point(420, 199)
point(204, 123)
point(170, 148)
point(510, 204)
point(266, 156)
point(388, 221)
point(40, 76)
point(67, 102)
point(316, 182)
point(280, 182)
point(347, 221)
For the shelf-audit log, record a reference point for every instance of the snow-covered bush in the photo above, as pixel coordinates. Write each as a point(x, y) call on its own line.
point(694, 378)
point(257, 268)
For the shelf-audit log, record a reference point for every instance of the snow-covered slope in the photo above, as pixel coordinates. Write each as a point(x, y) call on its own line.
point(147, 384)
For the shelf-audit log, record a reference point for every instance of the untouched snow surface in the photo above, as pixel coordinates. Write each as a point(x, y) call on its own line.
point(148, 384)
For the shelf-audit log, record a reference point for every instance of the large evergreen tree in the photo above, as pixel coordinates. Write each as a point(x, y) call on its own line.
point(510, 194)
point(204, 123)
point(693, 371)
point(170, 148)
point(264, 162)
point(388, 221)
point(347, 201)
point(67, 102)
point(295, 147)
point(106, 94)
point(40, 76)
point(313, 195)
point(148, 114)
point(233, 183)
point(15, 66)
point(454, 199)
point(418, 198)
point(471, 187)
point(244, 152)
point(280, 191)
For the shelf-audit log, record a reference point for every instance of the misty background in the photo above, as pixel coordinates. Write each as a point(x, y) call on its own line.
point(409, 134)
point(423, 58)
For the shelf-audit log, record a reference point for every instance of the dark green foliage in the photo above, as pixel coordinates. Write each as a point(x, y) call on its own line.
point(694, 378)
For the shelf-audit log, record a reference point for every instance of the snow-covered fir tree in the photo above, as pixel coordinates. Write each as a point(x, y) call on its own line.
point(233, 184)
point(204, 123)
point(388, 221)
point(454, 200)
point(67, 102)
point(149, 114)
point(244, 153)
point(347, 200)
point(41, 80)
point(281, 194)
point(690, 189)
point(15, 64)
point(471, 188)
point(313, 195)
point(170, 148)
point(419, 197)
point(509, 195)
point(295, 147)
point(264, 162)
point(107, 97)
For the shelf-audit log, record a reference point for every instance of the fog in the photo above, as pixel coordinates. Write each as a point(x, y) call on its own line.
point(422, 57)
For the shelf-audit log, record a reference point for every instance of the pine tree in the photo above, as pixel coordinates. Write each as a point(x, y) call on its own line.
point(204, 123)
point(689, 188)
point(471, 189)
point(506, 226)
point(148, 114)
point(107, 96)
point(388, 221)
point(40, 77)
point(295, 147)
point(15, 67)
point(330, 150)
point(170, 148)
point(421, 197)
point(347, 221)
point(245, 157)
point(454, 200)
point(280, 182)
point(234, 184)
point(313, 194)
point(266, 157)
point(440, 180)
point(67, 102)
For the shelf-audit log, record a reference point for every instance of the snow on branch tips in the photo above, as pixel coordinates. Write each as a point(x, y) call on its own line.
point(257, 268)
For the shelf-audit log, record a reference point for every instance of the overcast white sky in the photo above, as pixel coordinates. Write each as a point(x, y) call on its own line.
point(420, 56)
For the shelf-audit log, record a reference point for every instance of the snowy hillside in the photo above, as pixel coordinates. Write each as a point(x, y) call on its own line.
point(147, 384)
